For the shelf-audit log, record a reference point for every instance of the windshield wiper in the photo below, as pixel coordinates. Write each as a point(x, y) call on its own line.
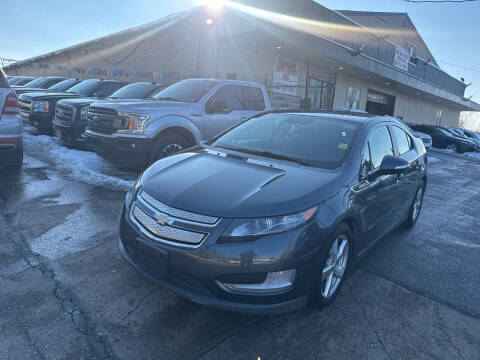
point(267, 154)
point(167, 98)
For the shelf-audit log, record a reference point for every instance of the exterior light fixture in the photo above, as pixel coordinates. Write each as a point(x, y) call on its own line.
point(209, 21)
point(278, 47)
point(340, 68)
point(387, 83)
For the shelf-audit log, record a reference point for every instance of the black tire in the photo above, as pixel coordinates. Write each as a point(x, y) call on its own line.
point(412, 214)
point(317, 298)
point(16, 159)
point(453, 147)
point(167, 145)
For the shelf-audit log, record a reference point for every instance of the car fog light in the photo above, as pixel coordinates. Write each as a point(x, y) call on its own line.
point(275, 282)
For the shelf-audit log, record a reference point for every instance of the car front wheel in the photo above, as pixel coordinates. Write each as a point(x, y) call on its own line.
point(452, 147)
point(167, 145)
point(334, 264)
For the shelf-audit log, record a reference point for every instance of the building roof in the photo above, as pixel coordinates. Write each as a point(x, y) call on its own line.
point(394, 26)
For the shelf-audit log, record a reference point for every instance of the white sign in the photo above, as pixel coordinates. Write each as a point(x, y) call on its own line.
point(285, 78)
point(401, 58)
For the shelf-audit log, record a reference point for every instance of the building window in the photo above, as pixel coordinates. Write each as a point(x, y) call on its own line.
point(353, 97)
point(412, 51)
point(438, 119)
point(320, 94)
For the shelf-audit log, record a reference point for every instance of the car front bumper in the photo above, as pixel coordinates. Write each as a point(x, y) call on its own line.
point(193, 273)
point(70, 134)
point(127, 151)
point(42, 121)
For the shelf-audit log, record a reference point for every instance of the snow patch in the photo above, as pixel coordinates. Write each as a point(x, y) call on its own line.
point(82, 165)
point(475, 155)
point(433, 160)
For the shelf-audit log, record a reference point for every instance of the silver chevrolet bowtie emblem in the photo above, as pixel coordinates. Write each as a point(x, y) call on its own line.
point(163, 219)
point(95, 118)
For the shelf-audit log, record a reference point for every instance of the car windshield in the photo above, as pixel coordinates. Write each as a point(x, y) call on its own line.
point(85, 88)
point(3, 79)
point(63, 85)
point(446, 133)
point(307, 139)
point(35, 82)
point(135, 91)
point(185, 91)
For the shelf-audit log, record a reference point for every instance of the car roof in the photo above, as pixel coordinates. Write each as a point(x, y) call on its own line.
point(228, 81)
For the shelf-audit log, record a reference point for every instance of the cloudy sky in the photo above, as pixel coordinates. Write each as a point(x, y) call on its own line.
point(33, 27)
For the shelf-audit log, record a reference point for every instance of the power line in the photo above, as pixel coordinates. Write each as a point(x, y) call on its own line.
point(439, 1)
point(459, 66)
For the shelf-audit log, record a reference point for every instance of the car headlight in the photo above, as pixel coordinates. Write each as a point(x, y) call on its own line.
point(135, 122)
point(84, 113)
point(132, 194)
point(40, 106)
point(250, 228)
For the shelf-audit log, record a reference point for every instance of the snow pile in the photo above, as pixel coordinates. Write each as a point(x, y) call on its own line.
point(475, 155)
point(81, 165)
point(432, 160)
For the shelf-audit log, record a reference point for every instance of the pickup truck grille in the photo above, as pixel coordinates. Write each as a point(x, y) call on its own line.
point(25, 105)
point(64, 114)
point(105, 120)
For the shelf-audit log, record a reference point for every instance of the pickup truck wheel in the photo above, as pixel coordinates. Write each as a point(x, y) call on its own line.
point(167, 145)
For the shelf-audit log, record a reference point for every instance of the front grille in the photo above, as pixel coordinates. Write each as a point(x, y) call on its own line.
point(64, 114)
point(25, 105)
point(105, 120)
point(163, 223)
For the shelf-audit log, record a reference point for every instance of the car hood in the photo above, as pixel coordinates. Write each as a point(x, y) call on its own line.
point(148, 106)
point(217, 185)
point(79, 101)
point(47, 95)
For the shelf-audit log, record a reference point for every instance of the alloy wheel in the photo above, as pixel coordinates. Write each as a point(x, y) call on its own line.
point(335, 266)
point(170, 149)
point(452, 147)
point(417, 205)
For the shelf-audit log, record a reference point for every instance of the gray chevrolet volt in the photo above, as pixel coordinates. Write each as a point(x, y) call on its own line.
point(272, 214)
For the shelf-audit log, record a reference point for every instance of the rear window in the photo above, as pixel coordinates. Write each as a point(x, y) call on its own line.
point(3, 79)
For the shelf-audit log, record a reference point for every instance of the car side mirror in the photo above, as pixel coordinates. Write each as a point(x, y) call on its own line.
point(393, 165)
point(219, 106)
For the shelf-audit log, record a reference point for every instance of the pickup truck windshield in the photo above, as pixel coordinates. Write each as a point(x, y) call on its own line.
point(306, 139)
point(63, 85)
point(185, 91)
point(35, 83)
point(85, 88)
point(135, 91)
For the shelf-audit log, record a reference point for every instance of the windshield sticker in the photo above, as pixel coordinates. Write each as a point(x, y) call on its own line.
point(343, 146)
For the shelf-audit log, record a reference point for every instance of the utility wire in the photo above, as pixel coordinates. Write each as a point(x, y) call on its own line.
point(459, 66)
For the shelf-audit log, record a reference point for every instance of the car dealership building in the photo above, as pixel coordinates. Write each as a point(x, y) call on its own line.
point(305, 54)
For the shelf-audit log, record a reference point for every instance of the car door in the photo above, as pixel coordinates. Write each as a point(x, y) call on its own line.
point(377, 196)
point(410, 179)
point(229, 105)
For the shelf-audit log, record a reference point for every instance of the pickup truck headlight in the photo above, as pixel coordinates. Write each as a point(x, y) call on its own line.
point(251, 228)
point(84, 113)
point(40, 106)
point(135, 122)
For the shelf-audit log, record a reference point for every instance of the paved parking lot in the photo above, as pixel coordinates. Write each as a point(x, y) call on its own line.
point(67, 294)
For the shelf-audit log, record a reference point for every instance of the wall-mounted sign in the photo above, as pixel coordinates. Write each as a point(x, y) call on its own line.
point(401, 58)
point(285, 78)
point(377, 97)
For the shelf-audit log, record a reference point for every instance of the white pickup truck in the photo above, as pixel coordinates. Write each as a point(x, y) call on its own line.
point(137, 133)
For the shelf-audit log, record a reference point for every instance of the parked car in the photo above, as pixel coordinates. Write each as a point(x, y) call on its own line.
point(71, 114)
point(59, 86)
point(39, 108)
point(138, 133)
point(272, 213)
point(427, 139)
point(11, 127)
point(467, 135)
point(472, 134)
point(443, 139)
point(19, 80)
point(38, 83)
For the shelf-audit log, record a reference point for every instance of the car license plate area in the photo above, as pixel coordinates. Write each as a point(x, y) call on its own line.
point(153, 261)
point(58, 132)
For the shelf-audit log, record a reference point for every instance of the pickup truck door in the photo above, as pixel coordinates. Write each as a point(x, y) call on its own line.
point(229, 105)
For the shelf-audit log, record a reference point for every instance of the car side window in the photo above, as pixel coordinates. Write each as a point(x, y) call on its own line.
point(380, 145)
point(254, 99)
point(403, 140)
point(366, 164)
point(231, 95)
point(108, 89)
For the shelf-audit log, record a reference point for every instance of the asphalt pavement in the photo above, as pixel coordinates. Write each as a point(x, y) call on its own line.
point(67, 294)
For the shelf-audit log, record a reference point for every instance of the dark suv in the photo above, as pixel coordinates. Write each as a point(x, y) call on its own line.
point(71, 114)
point(273, 212)
point(39, 108)
point(41, 83)
point(443, 138)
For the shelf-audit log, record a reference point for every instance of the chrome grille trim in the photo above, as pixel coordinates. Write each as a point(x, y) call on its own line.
point(65, 114)
point(166, 232)
point(180, 214)
point(25, 105)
